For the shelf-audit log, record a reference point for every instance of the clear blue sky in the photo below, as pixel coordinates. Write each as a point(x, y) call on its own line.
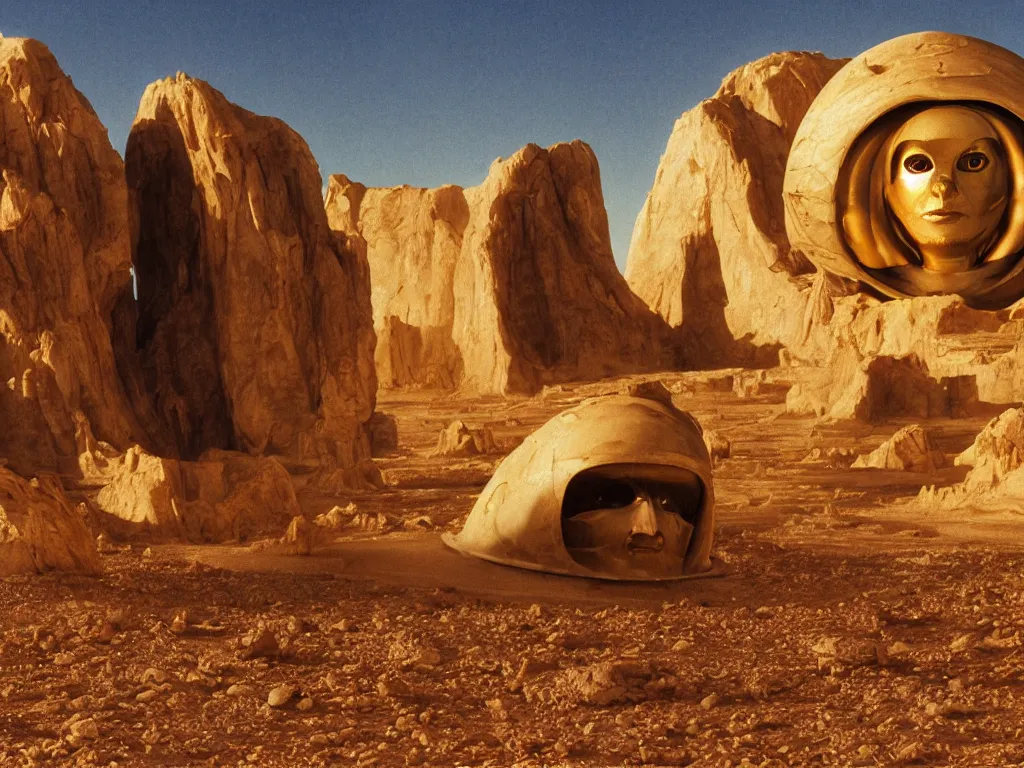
point(429, 93)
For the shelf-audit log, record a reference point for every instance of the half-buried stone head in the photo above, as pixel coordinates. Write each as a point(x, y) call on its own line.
point(618, 487)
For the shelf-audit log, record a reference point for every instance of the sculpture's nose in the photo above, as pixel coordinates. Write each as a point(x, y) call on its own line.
point(944, 186)
point(644, 534)
point(644, 520)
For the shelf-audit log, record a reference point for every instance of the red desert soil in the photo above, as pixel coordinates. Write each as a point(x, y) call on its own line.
point(842, 628)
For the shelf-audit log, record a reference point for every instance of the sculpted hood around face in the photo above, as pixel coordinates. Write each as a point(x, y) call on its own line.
point(618, 487)
point(927, 203)
point(907, 172)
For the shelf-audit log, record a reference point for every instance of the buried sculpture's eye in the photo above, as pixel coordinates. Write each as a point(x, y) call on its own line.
point(587, 493)
point(669, 504)
point(972, 162)
point(918, 164)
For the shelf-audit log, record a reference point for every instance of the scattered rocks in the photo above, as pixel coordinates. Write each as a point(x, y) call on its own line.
point(281, 695)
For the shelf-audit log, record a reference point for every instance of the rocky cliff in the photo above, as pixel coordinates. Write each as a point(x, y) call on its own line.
point(254, 330)
point(709, 251)
point(539, 296)
point(413, 238)
point(65, 260)
point(503, 287)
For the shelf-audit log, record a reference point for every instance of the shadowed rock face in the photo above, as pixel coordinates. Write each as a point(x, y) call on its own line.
point(65, 259)
point(254, 329)
point(709, 251)
point(539, 296)
point(503, 287)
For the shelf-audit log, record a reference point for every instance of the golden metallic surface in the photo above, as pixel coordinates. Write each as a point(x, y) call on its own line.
point(521, 517)
point(907, 172)
point(948, 185)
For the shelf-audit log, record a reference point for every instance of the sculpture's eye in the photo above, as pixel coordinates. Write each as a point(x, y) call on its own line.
point(669, 504)
point(972, 162)
point(918, 163)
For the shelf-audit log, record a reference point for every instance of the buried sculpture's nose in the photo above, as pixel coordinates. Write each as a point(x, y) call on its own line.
point(644, 534)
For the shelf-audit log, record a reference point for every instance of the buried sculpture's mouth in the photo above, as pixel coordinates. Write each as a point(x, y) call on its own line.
point(639, 543)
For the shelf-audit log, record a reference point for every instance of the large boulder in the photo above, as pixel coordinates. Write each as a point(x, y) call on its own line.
point(413, 238)
point(65, 261)
point(996, 479)
point(225, 496)
point(39, 529)
point(254, 329)
point(909, 450)
point(880, 388)
point(709, 250)
point(539, 297)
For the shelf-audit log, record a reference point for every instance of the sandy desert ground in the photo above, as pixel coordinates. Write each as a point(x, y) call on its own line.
point(842, 626)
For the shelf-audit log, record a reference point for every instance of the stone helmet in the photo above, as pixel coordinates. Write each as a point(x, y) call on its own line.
point(520, 517)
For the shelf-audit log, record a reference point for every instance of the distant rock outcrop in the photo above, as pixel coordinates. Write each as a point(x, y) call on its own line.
point(254, 328)
point(65, 260)
point(503, 287)
point(540, 298)
point(709, 250)
point(878, 388)
point(909, 450)
point(413, 238)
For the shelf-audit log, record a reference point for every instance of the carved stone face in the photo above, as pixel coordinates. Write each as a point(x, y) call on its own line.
point(616, 522)
point(948, 185)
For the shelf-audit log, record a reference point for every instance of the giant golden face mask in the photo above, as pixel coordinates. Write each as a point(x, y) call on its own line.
point(907, 171)
point(948, 186)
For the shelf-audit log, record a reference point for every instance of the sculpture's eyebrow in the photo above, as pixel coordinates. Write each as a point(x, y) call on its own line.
point(986, 142)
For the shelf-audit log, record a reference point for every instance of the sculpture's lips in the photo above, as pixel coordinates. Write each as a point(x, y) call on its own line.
point(942, 215)
point(641, 542)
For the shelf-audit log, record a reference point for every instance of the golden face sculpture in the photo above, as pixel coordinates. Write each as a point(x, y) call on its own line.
point(931, 199)
point(948, 186)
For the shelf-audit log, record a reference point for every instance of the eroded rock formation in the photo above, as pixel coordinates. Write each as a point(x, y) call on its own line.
point(996, 479)
point(909, 449)
point(503, 287)
point(540, 298)
point(413, 238)
point(224, 496)
point(459, 439)
point(709, 251)
point(39, 529)
point(65, 260)
point(876, 389)
point(254, 328)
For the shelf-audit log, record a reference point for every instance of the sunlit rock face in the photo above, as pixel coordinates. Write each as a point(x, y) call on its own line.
point(995, 482)
point(65, 259)
point(709, 251)
point(254, 328)
point(413, 238)
point(539, 298)
point(503, 287)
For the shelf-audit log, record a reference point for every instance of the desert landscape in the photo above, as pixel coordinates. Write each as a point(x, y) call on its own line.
point(243, 403)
